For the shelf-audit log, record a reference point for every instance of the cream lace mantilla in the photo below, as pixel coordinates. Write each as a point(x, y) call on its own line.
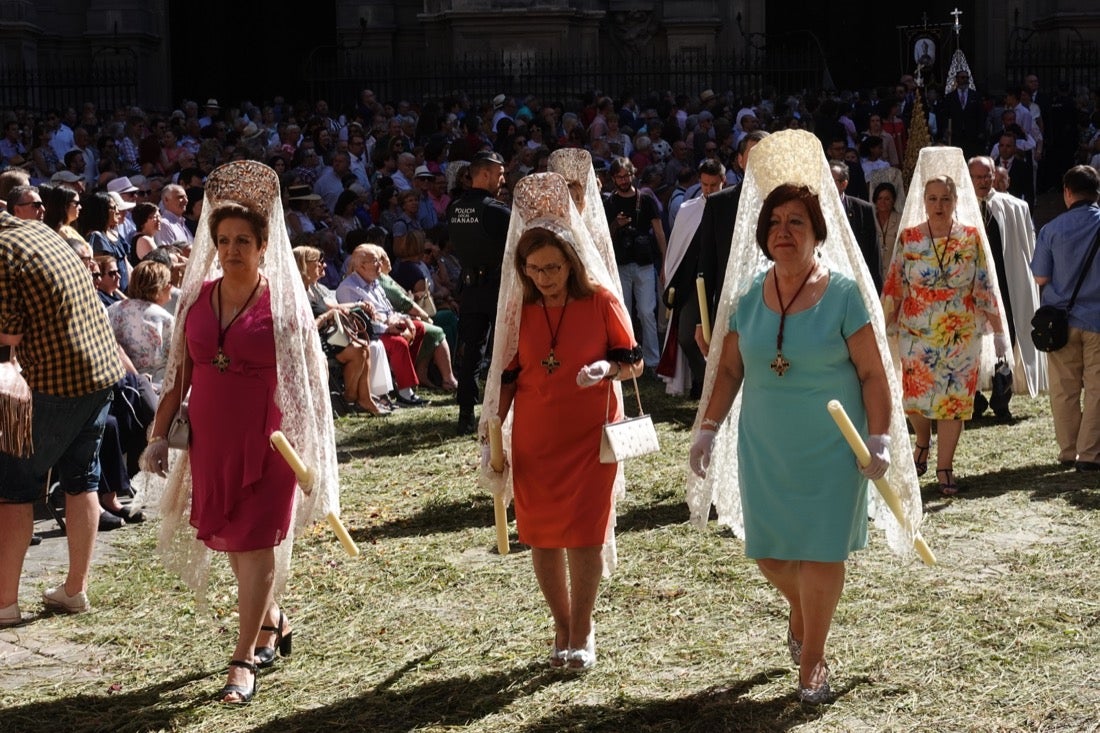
point(796, 156)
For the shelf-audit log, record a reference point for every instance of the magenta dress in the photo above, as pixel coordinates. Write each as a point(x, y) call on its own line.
point(242, 491)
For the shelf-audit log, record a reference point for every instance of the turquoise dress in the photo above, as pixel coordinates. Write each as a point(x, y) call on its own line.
point(802, 496)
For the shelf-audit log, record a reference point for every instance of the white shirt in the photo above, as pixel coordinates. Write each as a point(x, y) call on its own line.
point(62, 141)
point(172, 229)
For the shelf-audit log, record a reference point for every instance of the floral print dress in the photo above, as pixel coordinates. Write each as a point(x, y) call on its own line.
point(938, 300)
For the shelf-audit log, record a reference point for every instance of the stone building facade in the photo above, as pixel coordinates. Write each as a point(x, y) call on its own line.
point(49, 48)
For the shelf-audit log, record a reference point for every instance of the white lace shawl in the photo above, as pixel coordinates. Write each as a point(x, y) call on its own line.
point(510, 308)
point(796, 156)
point(301, 394)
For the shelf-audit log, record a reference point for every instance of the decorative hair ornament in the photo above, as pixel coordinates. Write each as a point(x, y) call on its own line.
point(246, 182)
point(794, 159)
point(542, 196)
point(572, 163)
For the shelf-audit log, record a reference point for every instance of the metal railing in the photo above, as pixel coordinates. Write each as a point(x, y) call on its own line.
point(555, 76)
point(107, 83)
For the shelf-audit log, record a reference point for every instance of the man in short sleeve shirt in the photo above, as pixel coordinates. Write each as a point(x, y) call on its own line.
point(1074, 369)
point(52, 324)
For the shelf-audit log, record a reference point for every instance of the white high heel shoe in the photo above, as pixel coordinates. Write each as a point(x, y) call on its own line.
point(582, 659)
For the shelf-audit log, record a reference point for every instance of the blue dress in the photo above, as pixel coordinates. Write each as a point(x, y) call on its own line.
point(802, 496)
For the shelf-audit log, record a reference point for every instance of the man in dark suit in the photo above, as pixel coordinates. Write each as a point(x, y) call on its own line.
point(962, 117)
point(707, 255)
point(861, 217)
point(1021, 174)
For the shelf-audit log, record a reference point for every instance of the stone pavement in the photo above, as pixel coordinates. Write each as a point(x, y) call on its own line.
point(34, 653)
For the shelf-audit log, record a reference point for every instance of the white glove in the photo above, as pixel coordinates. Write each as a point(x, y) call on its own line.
point(154, 459)
point(699, 457)
point(593, 373)
point(1002, 345)
point(486, 457)
point(879, 446)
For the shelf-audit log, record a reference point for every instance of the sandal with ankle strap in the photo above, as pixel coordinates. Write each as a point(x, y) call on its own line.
point(244, 695)
point(948, 487)
point(920, 460)
point(265, 655)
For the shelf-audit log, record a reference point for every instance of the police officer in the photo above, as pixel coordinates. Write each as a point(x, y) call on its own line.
point(478, 227)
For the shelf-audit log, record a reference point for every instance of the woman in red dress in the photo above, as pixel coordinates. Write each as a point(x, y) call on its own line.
point(573, 334)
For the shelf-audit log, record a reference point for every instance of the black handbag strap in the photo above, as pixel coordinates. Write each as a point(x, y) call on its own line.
point(1084, 270)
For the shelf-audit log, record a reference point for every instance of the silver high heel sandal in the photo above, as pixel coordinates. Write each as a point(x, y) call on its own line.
point(816, 695)
point(794, 646)
point(558, 657)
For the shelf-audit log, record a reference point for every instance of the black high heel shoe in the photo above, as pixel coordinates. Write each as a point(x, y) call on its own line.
point(243, 694)
point(265, 655)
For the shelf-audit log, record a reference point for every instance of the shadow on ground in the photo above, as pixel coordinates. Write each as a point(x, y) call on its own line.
point(719, 709)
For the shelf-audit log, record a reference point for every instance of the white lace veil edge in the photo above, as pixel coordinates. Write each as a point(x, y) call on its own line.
point(796, 156)
point(594, 257)
point(302, 396)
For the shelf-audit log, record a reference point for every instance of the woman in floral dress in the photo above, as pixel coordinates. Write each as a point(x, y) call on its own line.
point(938, 299)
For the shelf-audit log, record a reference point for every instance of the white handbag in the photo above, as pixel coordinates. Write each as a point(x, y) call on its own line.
point(630, 437)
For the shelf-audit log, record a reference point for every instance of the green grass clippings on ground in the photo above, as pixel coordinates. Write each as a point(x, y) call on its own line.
point(431, 630)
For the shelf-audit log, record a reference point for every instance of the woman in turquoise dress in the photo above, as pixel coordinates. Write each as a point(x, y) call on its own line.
point(799, 337)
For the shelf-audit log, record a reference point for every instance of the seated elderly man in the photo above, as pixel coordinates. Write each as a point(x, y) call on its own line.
point(400, 335)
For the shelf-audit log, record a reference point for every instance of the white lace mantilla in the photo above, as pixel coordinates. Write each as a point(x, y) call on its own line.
point(301, 394)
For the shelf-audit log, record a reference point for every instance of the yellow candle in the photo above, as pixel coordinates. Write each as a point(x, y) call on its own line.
point(281, 444)
point(496, 445)
point(496, 462)
point(704, 312)
point(863, 456)
point(305, 480)
point(342, 534)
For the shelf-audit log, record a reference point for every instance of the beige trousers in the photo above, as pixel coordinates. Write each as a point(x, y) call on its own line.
point(1074, 372)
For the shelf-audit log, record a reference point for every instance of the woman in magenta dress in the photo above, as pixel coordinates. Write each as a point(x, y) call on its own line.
point(242, 498)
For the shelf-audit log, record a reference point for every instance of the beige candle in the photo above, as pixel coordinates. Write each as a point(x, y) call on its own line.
point(704, 312)
point(496, 462)
point(305, 480)
point(863, 456)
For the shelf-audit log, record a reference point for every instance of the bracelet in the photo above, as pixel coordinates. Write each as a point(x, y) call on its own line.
point(708, 423)
point(613, 377)
point(155, 439)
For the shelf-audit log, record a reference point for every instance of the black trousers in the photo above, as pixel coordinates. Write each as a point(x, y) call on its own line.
point(687, 315)
point(473, 334)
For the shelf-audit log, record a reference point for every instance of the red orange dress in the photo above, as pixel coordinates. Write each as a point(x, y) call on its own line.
point(562, 491)
point(242, 494)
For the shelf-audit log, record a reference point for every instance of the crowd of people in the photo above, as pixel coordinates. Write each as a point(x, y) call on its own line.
point(464, 248)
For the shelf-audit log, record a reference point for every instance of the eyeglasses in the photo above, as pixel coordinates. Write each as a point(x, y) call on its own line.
point(548, 270)
point(111, 273)
point(143, 193)
point(35, 204)
point(97, 275)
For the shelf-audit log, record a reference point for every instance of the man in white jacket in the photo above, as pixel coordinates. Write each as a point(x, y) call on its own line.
point(1012, 241)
